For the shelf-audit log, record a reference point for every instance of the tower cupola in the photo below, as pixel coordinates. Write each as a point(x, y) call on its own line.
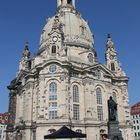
point(24, 63)
point(111, 58)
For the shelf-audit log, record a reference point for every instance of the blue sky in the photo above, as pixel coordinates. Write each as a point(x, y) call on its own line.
point(23, 20)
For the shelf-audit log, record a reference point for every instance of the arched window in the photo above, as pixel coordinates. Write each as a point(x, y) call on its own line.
point(75, 93)
point(112, 66)
point(99, 96)
point(90, 58)
point(53, 50)
point(52, 100)
point(53, 91)
point(52, 68)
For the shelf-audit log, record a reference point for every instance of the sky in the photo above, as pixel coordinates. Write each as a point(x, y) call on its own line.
point(23, 20)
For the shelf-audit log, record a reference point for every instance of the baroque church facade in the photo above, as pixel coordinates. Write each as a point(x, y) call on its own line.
point(64, 84)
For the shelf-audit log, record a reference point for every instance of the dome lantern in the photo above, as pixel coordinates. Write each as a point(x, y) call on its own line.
point(65, 2)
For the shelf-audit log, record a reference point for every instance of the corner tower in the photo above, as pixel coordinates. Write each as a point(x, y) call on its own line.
point(111, 58)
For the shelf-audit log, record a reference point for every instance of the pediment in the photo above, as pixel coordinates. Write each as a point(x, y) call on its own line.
point(55, 33)
point(55, 36)
point(99, 67)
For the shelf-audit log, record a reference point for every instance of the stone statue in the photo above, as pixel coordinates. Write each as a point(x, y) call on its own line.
point(114, 132)
point(112, 109)
point(26, 52)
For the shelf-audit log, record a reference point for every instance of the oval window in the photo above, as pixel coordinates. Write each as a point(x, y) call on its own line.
point(52, 68)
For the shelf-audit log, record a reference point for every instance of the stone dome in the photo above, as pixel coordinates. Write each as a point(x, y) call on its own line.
point(75, 29)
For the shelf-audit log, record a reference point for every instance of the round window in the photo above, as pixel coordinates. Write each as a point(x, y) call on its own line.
point(52, 68)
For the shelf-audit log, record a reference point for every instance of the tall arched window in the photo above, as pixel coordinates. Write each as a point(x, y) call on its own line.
point(99, 104)
point(53, 50)
point(52, 100)
point(75, 93)
point(112, 66)
point(99, 96)
point(76, 106)
point(90, 58)
point(53, 91)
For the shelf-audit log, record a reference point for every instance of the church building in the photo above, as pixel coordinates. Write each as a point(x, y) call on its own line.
point(65, 84)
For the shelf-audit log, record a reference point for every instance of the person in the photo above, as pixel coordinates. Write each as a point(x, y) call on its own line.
point(112, 109)
point(104, 137)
